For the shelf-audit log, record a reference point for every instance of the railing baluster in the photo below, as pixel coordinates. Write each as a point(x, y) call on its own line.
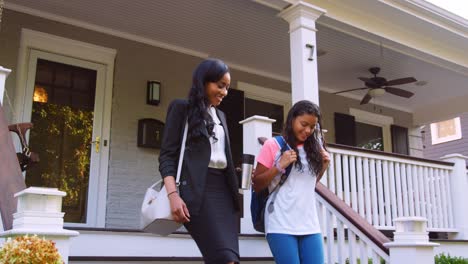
point(360, 178)
point(427, 195)
point(440, 214)
point(346, 179)
point(404, 187)
point(330, 236)
point(433, 198)
point(352, 168)
point(443, 175)
point(388, 213)
point(375, 212)
point(341, 241)
point(422, 192)
point(352, 247)
point(363, 255)
point(375, 258)
point(398, 189)
point(339, 178)
point(449, 200)
point(368, 204)
point(393, 190)
point(409, 178)
point(380, 192)
point(414, 174)
point(331, 179)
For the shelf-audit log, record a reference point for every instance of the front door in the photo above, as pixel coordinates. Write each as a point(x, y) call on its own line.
point(65, 102)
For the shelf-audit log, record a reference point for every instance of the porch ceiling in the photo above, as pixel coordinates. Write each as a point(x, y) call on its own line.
point(249, 35)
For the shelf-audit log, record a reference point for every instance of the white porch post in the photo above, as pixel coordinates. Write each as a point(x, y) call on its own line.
point(411, 242)
point(3, 75)
point(253, 128)
point(459, 194)
point(303, 46)
point(39, 213)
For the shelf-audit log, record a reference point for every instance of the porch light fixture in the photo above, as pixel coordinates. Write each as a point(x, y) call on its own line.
point(376, 92)
point(153, 95)
point(40, 94)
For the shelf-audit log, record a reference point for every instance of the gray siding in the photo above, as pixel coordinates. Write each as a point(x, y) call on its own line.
point(457, 146)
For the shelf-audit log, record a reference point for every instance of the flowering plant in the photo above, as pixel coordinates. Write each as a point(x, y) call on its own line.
point(30, 250)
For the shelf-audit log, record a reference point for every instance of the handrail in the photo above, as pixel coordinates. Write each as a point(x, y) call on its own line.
point(10, 174)
point(388, 154)
point(367, 229)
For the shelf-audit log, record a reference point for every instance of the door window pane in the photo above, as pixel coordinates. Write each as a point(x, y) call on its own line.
point(62, 114)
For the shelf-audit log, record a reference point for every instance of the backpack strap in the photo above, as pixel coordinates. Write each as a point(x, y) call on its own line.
point(284, 146)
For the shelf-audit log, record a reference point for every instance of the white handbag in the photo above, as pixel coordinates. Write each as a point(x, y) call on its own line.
point(156, 216)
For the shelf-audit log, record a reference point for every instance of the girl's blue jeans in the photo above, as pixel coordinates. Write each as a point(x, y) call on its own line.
point(292, 249)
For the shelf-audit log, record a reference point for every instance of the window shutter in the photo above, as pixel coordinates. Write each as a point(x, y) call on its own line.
point(400, 140)
point(345, 129)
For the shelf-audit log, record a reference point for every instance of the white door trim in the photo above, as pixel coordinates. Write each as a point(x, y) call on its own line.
point(34, 40)
point(377, 120)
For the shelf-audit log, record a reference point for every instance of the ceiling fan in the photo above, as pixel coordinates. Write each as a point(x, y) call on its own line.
point(378, 86)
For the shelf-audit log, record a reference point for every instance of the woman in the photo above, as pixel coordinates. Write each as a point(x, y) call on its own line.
point(292, 227)
point(208, 203)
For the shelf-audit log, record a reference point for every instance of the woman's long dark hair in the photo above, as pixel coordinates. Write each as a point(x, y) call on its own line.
point(312, 146)
point(209, 70)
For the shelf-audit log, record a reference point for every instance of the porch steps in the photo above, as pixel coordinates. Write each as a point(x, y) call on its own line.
point(133, 246)
point(102, 246)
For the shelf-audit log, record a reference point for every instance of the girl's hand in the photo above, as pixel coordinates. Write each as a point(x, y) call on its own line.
point(179, 209)
point(325, 157)
point(288, 157)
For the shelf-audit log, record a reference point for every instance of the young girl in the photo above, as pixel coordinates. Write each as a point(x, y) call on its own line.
point(291, 226)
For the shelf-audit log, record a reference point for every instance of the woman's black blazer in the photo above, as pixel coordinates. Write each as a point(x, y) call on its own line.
point(196, 157)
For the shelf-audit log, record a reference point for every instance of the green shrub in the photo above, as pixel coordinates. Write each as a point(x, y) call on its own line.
point(447, 259)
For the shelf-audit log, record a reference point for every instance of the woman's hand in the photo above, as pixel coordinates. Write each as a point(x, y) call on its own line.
point(288, 157)
point(179, 210)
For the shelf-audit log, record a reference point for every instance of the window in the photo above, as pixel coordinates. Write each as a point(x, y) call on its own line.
point(446, 131)
point(369, 136)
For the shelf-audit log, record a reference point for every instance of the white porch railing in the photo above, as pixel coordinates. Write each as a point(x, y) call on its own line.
point(382, 187)
point(353, 243)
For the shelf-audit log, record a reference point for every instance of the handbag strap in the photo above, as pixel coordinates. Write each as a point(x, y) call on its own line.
point(181, 156)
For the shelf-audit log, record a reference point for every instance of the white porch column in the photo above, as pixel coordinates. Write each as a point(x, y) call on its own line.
point(459, 194)
point(39, 213)
point(3, 75)
point(253, 128)
point(411, 242)
point(301, 17)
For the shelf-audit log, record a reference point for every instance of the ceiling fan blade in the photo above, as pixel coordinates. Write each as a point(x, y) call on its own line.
point(345, 91)
point(366, 99)
point(401, 81)
point(399, 92)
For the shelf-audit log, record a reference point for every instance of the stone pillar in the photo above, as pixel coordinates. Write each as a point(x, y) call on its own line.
point(3, 75)
point(459, 195)
point(411, 242)
point(301, 17)
point(39, 213)
point(253, 128)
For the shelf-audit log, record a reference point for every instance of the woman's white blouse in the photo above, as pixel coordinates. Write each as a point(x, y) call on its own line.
point(218, 155)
